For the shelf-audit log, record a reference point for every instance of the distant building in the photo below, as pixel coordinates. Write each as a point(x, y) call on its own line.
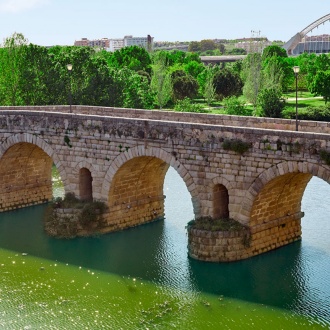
point(253, 45)
point(99, 43)
point(83, 42)
point(145, 42)
point(115, 44)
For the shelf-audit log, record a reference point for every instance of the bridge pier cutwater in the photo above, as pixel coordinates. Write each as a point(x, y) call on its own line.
point(121, 156)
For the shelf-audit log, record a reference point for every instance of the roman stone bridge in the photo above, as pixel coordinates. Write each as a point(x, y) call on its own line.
point(253, 170)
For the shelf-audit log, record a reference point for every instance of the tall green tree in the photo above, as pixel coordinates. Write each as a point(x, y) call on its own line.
point(251, 74)
point(209, 89)
point(161, 82)
point(11, 65)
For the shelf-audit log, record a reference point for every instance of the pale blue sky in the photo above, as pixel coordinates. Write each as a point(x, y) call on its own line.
point(50, 22)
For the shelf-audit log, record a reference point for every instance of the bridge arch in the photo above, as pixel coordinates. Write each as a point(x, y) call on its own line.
point(25, 167)
point(134, 186)
point(264, 200)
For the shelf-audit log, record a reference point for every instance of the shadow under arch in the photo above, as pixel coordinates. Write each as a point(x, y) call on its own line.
point(25, 167)
point(134, 186)
point(278, 191)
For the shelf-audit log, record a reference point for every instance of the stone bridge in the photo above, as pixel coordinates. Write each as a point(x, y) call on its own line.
point(121, 156)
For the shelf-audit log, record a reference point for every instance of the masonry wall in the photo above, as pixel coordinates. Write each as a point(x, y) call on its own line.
point(103, 145)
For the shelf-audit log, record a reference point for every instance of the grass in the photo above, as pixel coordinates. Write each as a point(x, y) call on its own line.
point(306, 99)
point(301, 94)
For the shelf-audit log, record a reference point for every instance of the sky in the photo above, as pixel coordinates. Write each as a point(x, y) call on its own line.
point(61, 22)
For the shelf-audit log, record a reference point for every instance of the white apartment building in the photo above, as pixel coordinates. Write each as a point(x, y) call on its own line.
point(115, 44)
point(145, 42)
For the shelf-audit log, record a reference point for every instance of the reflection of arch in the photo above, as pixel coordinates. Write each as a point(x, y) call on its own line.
point(85, 184)
point(278, 191)
point(294, 41)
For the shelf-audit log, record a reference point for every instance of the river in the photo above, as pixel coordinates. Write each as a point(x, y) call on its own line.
point(142, 278)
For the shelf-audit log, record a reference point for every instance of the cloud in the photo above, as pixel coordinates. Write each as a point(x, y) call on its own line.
point(14, 6)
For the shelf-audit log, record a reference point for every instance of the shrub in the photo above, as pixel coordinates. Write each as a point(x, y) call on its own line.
point(234, 106)
point(271, 102)
point(186, 105)
point(320, 113)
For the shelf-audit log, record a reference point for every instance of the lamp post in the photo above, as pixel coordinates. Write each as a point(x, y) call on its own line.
point(69, 67)
point(296, 70)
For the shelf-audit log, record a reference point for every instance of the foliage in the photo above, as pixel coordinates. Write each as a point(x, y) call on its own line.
point(271, 102)
point(234, 106)
point(134, 58)
point(227, 83)
point(184, 86)
point(320, 113)
point(251, 75)
point(272, 74)
point(186, 105)
point(209, 224)
point(273, 50)
point(90, 216)
point(325, 156)
point(321, 85)
point(209, 89)
point(11, 65)
point(161, 82)
point(237, 146)
point(237, 51)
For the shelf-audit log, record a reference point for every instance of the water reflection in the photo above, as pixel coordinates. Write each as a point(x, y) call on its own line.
point(294, 277)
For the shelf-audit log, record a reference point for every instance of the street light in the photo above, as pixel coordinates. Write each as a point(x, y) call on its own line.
point(69, 67)
point(296, 70)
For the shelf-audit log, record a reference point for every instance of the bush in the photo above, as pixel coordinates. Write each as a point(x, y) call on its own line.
point(271, 102)
point(233, 106)
point(186, 105)
point(321, 113)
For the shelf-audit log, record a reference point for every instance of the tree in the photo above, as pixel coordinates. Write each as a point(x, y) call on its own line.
point(321, 85)
point(161, 83)
point(207, 44)
point(194, 46)
point(272, 74)
point(209, 89)
point(133, 57)
point(11, 65)
point(251, 74)
point(227, 83)
point(184, 85)
point(273, 50)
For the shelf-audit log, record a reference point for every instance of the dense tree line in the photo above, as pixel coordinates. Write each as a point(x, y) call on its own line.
point(131, 77)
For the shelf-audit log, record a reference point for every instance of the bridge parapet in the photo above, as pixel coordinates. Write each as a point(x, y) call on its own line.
point(277, 124)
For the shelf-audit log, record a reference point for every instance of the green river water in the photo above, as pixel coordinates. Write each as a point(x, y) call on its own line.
point(142, 278)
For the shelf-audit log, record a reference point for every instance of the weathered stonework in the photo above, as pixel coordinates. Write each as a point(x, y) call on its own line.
point(120, 156)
